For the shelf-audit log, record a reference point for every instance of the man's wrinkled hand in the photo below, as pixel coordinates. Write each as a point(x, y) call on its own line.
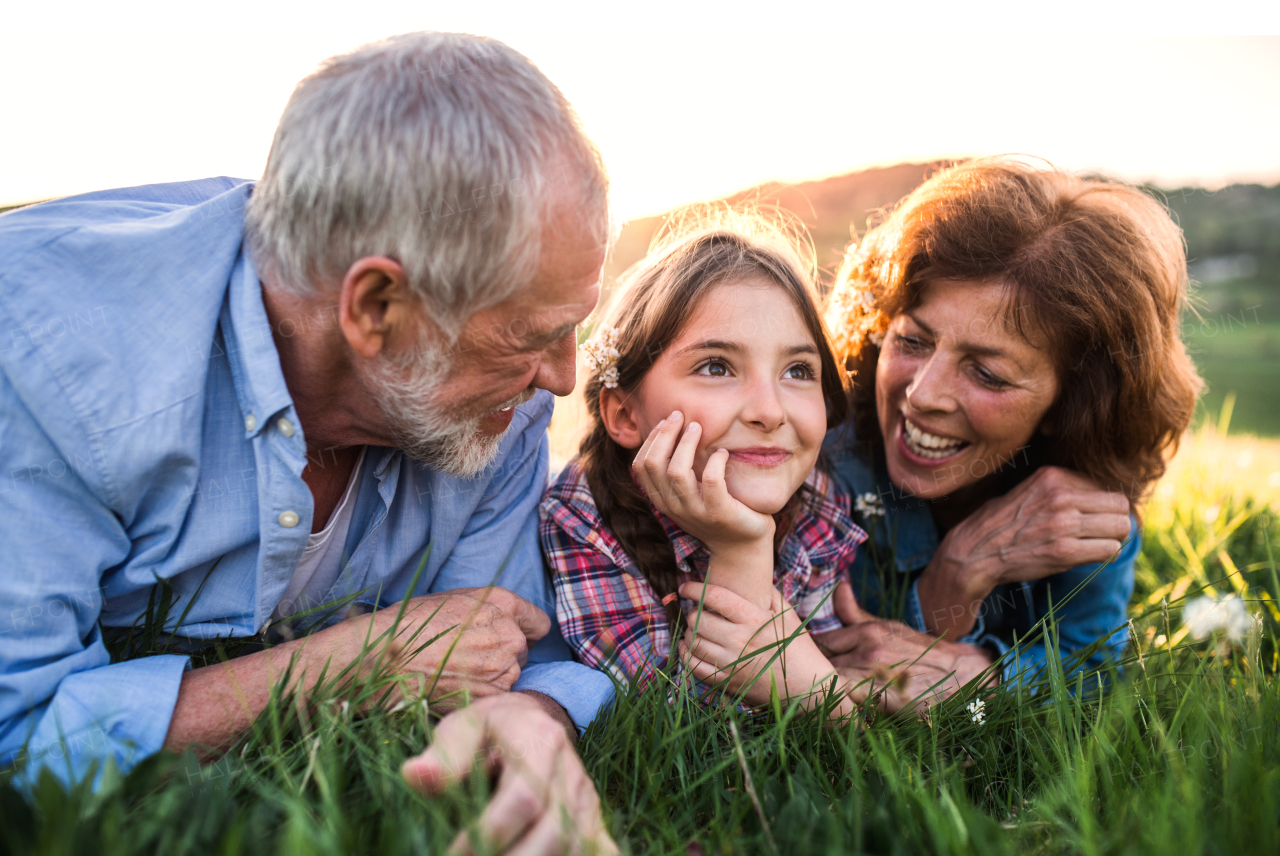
point(544, 801)
point(484, 636)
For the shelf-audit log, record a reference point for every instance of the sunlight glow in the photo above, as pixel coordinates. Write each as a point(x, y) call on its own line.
point(688, 107)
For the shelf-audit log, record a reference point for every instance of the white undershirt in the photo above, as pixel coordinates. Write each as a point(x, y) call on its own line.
point(321, 561)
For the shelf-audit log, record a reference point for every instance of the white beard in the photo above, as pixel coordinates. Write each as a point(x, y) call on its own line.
point(406, 388)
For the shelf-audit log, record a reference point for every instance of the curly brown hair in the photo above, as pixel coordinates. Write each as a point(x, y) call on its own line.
point(1095, 267)
point(653, 302)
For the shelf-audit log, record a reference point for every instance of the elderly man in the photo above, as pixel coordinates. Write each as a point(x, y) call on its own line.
point(317, 389)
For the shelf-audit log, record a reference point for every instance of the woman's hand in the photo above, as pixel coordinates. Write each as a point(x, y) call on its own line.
point(719, 638)
point(907, 669)
point(739, 539)
point(1054, 520)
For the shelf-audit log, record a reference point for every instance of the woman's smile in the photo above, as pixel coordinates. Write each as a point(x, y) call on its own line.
point(928, 448)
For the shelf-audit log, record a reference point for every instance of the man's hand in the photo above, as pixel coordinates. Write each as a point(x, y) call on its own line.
point(544, 801)
point(908, 668)
point(1054, 520)
point(729, 627)
point(485, 641)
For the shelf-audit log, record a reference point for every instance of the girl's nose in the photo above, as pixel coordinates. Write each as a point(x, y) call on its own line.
point(931, 387)
point(763, 407)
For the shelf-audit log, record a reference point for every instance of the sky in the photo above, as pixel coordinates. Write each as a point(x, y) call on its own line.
point(687, 101)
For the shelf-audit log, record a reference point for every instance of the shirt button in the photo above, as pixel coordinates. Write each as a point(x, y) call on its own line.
point(250, 422)
point(288, 519)
point(285, 426)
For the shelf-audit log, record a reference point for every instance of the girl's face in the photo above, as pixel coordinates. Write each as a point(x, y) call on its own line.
point(746, 369)
point(958, 392)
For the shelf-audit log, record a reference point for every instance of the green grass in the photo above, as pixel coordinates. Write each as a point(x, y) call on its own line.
point(1236, 354)
point(1182, 755)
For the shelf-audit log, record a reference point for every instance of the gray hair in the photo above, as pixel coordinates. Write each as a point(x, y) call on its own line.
point(439, 150)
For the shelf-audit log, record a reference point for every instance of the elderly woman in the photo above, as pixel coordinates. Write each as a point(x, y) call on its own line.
point(1018, 383)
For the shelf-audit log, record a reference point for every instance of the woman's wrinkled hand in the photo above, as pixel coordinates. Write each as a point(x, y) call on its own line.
point(1054, 520)
point(905, 669)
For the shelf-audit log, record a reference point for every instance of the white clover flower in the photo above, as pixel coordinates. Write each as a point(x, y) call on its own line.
point(602, 355)
point(1204, 616)
point(868, 505)
point(978, 710)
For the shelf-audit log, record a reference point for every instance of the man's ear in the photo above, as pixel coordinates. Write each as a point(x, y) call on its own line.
point(617, 411)
point(376, 306)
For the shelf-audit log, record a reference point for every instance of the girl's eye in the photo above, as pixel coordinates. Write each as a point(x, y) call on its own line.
point(714, 368)
point(799, 371)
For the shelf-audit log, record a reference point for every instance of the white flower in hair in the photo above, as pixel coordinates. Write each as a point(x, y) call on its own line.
point(602, 355)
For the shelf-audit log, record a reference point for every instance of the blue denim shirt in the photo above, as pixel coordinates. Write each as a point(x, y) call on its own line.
point(146, 432)
point(1089, 602)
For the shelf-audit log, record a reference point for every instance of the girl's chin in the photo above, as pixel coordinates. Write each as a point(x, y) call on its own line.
point(762, 501)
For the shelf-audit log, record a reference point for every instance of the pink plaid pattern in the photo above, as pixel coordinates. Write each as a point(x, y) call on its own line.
point(610, 615)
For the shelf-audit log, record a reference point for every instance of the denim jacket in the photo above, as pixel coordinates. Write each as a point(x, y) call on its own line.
point(1089, 602)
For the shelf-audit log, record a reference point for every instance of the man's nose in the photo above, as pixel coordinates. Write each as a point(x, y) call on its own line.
point(931, 387)
point(557, 372)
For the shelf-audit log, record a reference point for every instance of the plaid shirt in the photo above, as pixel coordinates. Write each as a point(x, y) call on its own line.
point(609, 613)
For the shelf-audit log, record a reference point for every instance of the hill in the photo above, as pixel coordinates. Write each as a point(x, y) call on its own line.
point(829, 208)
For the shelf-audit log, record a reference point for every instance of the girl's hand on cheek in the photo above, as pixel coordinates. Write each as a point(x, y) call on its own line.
point(703, 508)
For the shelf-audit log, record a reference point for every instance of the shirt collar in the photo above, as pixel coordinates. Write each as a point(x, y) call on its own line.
point(684, 544)
point(906, 522)
point(255, 364)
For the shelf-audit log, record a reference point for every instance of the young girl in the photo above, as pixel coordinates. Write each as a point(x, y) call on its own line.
point(711, 389)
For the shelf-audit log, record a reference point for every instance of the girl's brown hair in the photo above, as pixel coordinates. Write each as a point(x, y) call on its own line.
point(652, 304)
point(1097, 268)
